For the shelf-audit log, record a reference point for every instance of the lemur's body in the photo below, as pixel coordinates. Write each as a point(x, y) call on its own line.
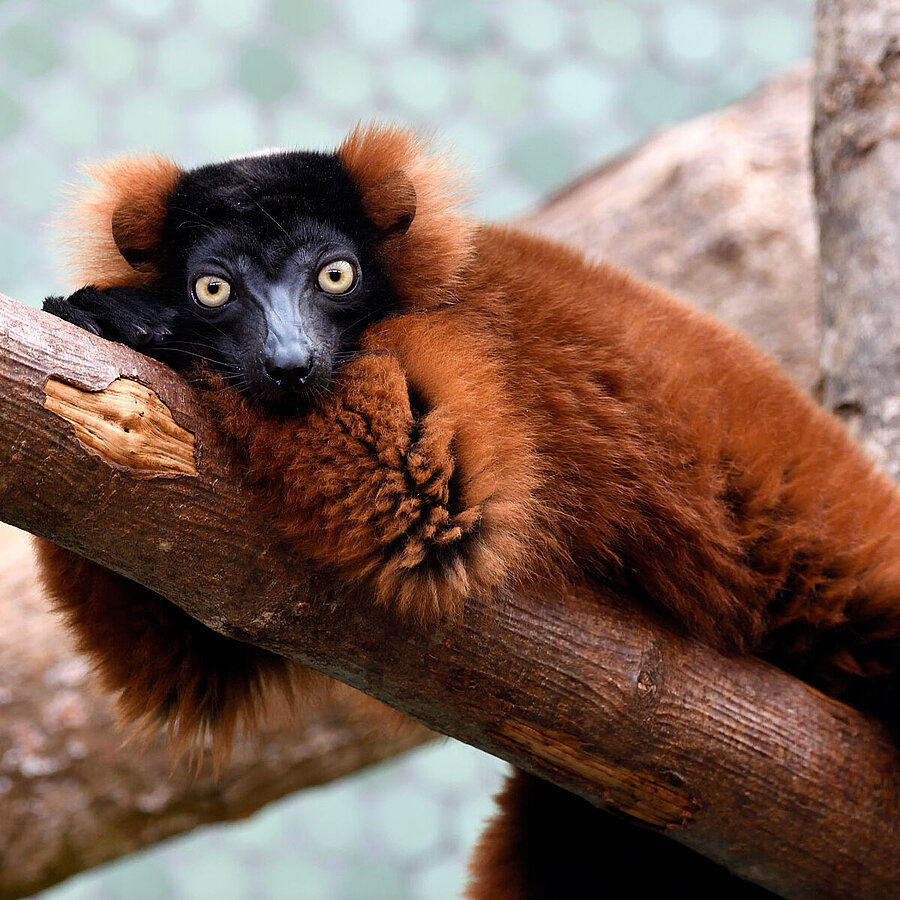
point(476, 407)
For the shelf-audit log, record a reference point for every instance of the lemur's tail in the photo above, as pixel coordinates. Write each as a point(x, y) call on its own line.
point(545, 843)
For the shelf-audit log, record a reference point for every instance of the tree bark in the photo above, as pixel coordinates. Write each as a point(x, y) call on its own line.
point(599, 699)
point(856, 143)
point(73, 797)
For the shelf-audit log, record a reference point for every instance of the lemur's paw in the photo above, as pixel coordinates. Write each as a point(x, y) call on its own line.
point(424, 583)
point(369, 485)
point(420, 525)
point(415, 512)
point(109, 314)
point(427, 542)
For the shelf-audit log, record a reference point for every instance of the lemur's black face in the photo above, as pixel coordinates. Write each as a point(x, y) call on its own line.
point(270, 264)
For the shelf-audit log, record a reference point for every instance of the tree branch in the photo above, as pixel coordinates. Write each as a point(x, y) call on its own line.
point(734, 758)
point(856, 159)
point(719, 210)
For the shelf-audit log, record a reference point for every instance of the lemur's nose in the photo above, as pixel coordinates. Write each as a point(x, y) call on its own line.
point(291, 366)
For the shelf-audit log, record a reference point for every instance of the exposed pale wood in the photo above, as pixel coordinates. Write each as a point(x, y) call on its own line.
point(125, 424)
point(744, 763)
point(72, 796)
point(641, 795)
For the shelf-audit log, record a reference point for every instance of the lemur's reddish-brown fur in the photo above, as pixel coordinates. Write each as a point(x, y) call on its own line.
point(166, 670)
point(530, 418)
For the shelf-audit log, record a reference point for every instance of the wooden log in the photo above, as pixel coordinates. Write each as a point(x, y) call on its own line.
point(731, 756)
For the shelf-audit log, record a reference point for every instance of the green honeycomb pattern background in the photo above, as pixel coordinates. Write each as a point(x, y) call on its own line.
point(528, 93)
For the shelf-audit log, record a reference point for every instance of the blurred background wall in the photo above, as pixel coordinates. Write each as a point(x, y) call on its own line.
point(528, 93)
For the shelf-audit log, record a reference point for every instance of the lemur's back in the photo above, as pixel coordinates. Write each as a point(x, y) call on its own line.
point(660, 446)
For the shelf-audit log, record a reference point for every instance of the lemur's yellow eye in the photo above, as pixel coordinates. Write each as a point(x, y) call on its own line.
point(337, 277)
point(211, 290)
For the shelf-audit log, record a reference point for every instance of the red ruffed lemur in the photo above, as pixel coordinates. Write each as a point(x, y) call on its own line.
point(432, 407)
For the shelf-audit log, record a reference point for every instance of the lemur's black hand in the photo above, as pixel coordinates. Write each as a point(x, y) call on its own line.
point(138, 318)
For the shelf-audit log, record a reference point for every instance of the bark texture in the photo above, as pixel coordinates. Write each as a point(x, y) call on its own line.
point(601, 700)
point(857, 181)
point(72, 796)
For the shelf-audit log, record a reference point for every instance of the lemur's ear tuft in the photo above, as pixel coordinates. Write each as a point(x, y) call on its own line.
point(412, 198)
point(113, 227)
